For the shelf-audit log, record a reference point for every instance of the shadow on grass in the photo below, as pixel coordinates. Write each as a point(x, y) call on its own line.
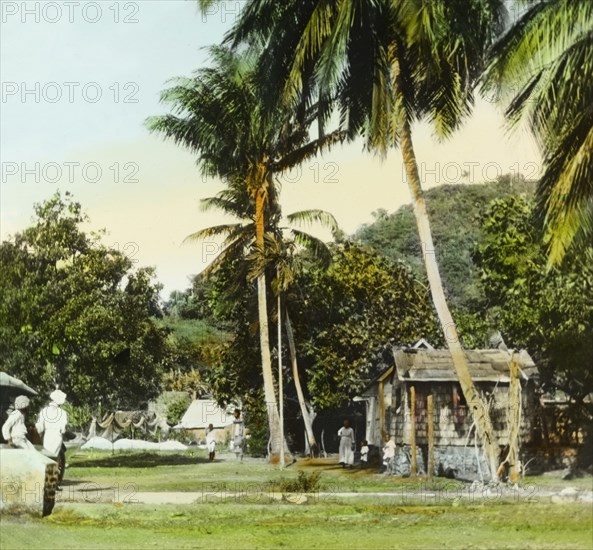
point(72, 482)
point(137, 460)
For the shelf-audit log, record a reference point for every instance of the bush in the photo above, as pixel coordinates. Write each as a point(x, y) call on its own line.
point(79, 417)
point(304, 483)
point(256, 423)
point(177, 409)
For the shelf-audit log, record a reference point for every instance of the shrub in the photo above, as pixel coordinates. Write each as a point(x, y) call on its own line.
point(304, 483)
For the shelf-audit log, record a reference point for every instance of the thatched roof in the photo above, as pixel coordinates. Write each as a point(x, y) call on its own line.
point(485, 365)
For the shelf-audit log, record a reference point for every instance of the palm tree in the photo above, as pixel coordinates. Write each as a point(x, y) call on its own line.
point(219, 116)
point(283, 253)
point(384, 64)
point(544, 63)
point(290, 251)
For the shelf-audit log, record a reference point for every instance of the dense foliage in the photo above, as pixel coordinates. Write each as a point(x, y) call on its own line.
point(548, 312)
point(543, 65)
point(75, 314)
point(341, 316)
point(455, 220)
point(358, 305)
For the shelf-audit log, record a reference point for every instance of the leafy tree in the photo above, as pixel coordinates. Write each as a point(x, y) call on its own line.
point(351, 310)
point(548, 312)
point(543, 63)
point(383, 65)
point(74, 313)
point(192, 303)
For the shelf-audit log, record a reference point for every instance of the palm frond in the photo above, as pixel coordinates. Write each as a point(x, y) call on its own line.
point(309, 217)
point(216, 231)
point(310, 150)
point(316, 247)
point(545, 62)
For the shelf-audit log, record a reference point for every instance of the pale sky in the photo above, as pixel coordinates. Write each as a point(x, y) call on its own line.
point(79, 78)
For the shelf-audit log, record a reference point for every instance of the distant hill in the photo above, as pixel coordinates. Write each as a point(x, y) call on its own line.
point(454, 212)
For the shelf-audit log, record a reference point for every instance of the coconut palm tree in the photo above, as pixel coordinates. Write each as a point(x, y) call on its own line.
point(290, 251)
point(383, 64)
point(287, 249)
point(219, 116)
point(544, 64)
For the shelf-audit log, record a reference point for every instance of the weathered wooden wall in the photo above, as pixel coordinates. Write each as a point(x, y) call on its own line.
point(452, 421)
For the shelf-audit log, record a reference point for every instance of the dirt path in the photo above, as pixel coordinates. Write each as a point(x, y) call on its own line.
point(94, 493)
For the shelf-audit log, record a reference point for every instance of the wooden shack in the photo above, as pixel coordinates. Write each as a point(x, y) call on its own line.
point(425, 371)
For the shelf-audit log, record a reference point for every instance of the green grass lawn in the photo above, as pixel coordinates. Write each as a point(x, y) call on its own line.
point(365, 524)
point(240, 505)
point(191, 471)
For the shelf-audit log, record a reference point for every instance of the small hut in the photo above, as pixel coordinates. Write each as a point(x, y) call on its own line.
point(426, 371)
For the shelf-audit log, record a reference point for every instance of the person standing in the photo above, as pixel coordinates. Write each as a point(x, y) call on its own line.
point(346, 435)
point(14, 430)
point(51, 424)
point(211, 442)
point(364, 453)
point(238, 434)
point(389, 454)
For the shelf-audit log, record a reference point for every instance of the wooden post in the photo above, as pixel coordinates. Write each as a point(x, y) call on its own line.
point(280, 382)
point(413, 466)
point(381, 395)
point(514, 420)
point(430, 413)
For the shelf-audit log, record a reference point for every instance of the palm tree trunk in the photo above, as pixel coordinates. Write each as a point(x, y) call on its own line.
point(475, 403)
point(264, 338)
point(307, 412)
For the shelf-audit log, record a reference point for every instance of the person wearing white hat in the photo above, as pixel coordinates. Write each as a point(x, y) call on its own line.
point(51, 424)
point(14, 430)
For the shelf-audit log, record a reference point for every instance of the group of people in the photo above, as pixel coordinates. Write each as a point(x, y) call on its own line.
point(347, 445)
point(51, 426)
point(53, 419)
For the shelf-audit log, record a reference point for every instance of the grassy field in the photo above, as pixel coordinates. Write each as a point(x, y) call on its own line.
point(241, 506)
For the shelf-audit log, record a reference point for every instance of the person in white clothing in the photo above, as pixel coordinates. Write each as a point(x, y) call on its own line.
point(389, 454)
point(211, 442)
point(51, 425)
point(14, 430)
point(364, 453)
point(238, 435)
point(346, 435)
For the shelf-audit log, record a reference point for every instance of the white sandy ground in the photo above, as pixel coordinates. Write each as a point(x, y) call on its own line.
point(102, 444)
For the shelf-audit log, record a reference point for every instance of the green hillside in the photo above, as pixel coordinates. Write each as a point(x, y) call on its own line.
point(454, 212)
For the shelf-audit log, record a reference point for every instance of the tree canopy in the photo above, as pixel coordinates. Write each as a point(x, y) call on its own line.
point(548, 312)
point(75, 313)
point(341, 315)
point(455, 212)
point(543, 64)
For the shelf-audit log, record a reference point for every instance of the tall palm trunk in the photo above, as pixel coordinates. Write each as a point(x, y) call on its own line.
point(475, 403)
point(307, 411)
point(264, 337)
